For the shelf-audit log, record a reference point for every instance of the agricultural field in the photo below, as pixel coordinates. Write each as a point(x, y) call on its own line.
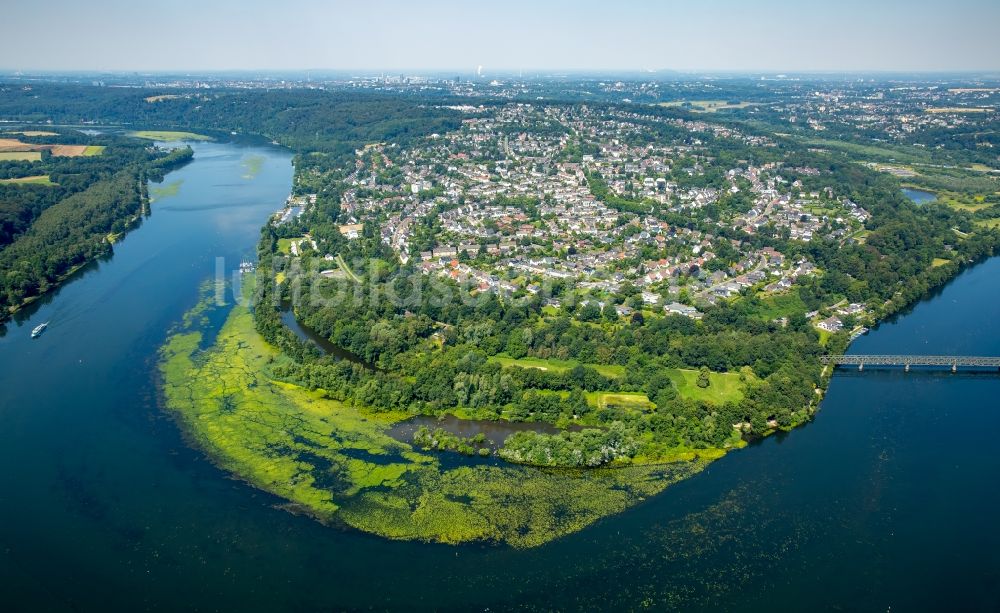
point(33, 180)
point(32, 133)
point(13, 144)
point(69, 151)
point(20, 156)
point(168, 135)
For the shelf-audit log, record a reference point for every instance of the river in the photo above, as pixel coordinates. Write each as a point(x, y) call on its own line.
point(886, 500)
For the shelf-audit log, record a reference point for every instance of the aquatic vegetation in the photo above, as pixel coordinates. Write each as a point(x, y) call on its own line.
point(167, 135)
point(337, 462)
point(158, 192)
point(252, 164)
point(441, 440)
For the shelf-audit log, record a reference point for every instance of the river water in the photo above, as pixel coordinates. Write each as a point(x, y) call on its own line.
point(888, 499)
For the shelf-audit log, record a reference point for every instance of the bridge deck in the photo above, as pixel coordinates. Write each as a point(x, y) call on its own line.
point(952, 361)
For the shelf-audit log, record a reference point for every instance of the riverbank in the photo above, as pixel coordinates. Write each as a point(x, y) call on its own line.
point(882, 495)
point(129, 224)
point(340, 464)
point(387, 486)
point(48, 233)
point(346, 465)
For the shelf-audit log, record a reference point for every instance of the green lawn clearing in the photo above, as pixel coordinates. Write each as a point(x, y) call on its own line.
point(168, 135)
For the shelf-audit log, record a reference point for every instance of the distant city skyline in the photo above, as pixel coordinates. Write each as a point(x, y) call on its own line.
point(445, 35)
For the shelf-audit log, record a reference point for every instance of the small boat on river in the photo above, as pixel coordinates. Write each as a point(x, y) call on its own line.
point(39, 329)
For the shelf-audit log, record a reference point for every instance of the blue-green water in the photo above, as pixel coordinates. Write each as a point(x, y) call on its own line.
point(887, 499)
point(919, 196)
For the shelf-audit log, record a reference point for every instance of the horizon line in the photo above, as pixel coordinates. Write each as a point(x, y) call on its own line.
point(504, 71)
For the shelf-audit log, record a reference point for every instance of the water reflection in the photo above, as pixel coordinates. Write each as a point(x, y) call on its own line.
point(308, 334)
point(496, 432)
point(919, 196)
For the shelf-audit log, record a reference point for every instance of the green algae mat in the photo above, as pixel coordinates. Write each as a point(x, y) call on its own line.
point(337, 463)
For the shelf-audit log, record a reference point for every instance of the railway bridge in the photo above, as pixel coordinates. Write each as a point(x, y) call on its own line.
point(906, 361)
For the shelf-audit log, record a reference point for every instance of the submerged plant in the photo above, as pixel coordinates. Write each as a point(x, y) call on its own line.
point(338, 462)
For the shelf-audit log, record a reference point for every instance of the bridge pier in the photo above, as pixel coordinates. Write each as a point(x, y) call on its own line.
point(908, 361)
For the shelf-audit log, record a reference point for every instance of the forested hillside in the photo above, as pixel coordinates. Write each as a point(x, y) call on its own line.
point(52, 192)
point(49, 230)
point(306, 120)
point(29, 187)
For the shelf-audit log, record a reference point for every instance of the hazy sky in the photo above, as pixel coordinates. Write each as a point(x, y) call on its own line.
point(784, 35)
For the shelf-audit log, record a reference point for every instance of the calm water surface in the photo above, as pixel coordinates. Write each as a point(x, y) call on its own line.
point(888, 499)
point(496, 432)
point(919, 196)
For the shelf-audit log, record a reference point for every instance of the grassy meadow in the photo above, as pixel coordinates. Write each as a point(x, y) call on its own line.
point(612, 371)
point(168, 135)
point(33, 180)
